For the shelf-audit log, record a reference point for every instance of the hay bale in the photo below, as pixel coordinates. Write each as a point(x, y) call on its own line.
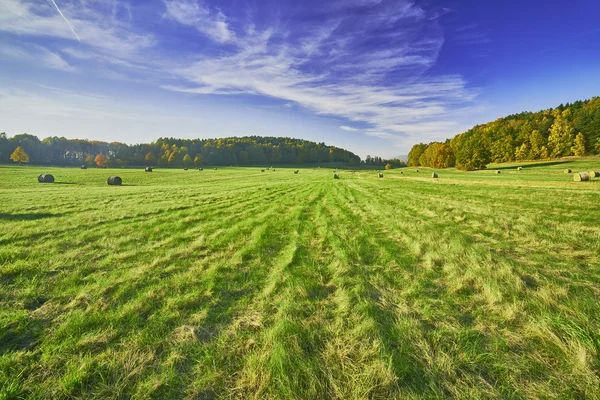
point(215, 169)
point(594, 174)
point(568, 171)
point(581, 177)
point(498, 171)
point(519, 168)
point(45, 178)
point(380, 175)
point(417, 171)
point(262, 170)
point(336, 176)
point(115, 181)
point(401, 172)
point(200, 169)
point(296, 171)
point(434, 175)
point(185, 169)
point(84, 167)
point(148, 169)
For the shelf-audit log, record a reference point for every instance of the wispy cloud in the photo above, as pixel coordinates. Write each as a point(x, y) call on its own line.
point(365, 61)
point(39, 54)
point(191, 12)
point(368, 62)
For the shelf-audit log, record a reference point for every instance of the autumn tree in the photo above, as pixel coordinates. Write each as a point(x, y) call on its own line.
point(415, 154)
point(560, 139)
point(388, 166)
point(537, 143)
point(19, 155)
point(101, 160)
point(186, 159)
point(578, 148)
point(198, 161)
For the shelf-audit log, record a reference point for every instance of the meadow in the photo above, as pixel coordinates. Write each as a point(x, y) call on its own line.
point(238, 283)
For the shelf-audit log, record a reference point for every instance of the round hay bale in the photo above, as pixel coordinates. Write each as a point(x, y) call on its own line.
point(215, 169)
point(380, 175)
point(148, 169)
point(296, 171)
point(594, 174)
point(115, 181)
point(84, 167)
point(519, 168)
point(581, 177)
point(498, 171)
point(200, 169)
point(262, 170)
point(185, 169)
point(336, 176)
point(401, 172)
point(45, 178)
point(434, 175)
point(417, 171)
point(568, 171)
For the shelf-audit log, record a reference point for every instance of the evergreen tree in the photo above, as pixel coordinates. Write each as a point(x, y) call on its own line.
point(150, 159)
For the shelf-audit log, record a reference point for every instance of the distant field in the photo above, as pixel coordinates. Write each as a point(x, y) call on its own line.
point(238, 283)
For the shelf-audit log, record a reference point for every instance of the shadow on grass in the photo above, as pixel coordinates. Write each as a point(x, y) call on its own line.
point(65, 183)
point(27, 217)
point(533, 164)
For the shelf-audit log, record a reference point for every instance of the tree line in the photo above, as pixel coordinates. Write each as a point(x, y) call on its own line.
point(567, 130)
point(171, 152)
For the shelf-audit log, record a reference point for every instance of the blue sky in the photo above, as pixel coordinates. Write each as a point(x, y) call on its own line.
point(372, 76)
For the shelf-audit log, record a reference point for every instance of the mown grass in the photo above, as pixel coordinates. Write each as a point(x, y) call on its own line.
point(241, 284)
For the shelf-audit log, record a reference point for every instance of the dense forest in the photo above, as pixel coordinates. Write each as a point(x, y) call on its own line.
point(567, 130)
point(169, 152)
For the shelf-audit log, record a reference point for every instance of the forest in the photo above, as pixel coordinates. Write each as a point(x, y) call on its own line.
point(567, 130)
point(170, 152)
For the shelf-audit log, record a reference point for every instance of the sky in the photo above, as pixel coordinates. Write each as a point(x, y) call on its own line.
point(371, 76)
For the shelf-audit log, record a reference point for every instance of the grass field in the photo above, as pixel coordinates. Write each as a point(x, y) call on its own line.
point(241, 284)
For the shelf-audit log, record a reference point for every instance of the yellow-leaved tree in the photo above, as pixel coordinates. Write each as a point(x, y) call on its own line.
point(19, 155)
point(101, 160)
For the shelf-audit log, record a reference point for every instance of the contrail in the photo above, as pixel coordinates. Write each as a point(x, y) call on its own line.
point(66, 20)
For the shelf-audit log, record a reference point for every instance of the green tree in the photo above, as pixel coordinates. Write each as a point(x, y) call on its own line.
point(415, 154)
point(19, 155)
point(89, 160)
point(150, 159)
point(578, 148)
point(560, 139)
point(523, 152)
point(537, 142)
point(199, 160)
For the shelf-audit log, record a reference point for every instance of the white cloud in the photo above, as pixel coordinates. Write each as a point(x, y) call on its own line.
point(333, 69)
point(32, 53)
point(370, 66)
point(191, 12)
point(94, 27)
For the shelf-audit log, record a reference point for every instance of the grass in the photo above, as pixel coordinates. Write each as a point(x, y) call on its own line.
point(241, 284)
